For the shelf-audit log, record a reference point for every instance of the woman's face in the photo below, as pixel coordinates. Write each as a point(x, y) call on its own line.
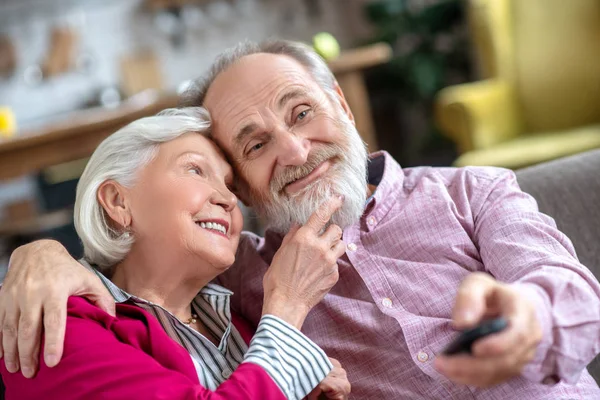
point(181, 204)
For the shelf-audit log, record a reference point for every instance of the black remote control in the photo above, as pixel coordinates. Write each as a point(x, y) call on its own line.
point(464, 341)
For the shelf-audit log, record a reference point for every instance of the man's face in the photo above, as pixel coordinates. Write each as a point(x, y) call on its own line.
point(292, 145)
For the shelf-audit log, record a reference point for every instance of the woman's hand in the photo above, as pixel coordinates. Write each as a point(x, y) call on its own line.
point(41, 276)
point(335, 386)
point(304, 268)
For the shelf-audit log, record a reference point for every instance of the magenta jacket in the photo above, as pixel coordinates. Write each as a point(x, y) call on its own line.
point(130, 357)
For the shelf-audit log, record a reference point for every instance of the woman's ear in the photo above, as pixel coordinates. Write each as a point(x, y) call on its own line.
point(342, 100)
point(113, 198)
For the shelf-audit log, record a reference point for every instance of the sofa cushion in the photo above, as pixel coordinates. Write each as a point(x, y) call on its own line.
point(569, 191)
point(531, 149)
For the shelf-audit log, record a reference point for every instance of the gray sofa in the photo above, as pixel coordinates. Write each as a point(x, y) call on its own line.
point(569, 191)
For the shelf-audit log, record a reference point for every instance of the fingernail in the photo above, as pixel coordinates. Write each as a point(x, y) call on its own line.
point(11, 367)
point(341, 197)
point(468, 316)
point(27, 372)
point(51, 360)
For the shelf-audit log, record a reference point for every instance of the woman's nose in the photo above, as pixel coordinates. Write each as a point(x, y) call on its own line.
point(224, 198)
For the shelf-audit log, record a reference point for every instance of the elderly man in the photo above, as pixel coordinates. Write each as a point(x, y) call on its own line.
point(428, 250)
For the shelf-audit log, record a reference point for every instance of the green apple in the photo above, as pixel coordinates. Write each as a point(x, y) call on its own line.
point(326, 45)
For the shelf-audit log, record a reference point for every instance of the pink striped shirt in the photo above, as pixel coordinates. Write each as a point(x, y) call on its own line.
point(422, 233)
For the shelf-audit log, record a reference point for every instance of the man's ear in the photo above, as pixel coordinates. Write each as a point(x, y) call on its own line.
point(113, 198)
point(342, 100)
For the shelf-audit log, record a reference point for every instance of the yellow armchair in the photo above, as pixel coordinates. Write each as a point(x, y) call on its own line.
point(541, 98)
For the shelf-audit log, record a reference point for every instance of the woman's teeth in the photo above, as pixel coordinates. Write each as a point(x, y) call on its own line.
point(213, 225)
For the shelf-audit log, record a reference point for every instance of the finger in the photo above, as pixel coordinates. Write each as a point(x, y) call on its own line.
point(294, 228)
point(481, 372)
point(332, 235)
point(94, 290)
point(335, 388)
point(335, 362)
point(28, 342)
point(518, 334)
point(314, 395)
point(323, 213)
point(339, 249)
point(9, 340)
point(55, 321)
point(465, 369)
point(471, 299)
point(1, 325)
point(97, 293)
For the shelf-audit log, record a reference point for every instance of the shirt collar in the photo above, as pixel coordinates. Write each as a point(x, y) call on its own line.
point(385, 173)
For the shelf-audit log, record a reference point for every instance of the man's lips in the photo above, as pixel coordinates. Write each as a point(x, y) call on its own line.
point(301, 183)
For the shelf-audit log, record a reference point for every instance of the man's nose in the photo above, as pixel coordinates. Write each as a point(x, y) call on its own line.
point(292, 149)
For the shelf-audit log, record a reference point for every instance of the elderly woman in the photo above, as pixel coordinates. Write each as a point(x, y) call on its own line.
point(155, 214)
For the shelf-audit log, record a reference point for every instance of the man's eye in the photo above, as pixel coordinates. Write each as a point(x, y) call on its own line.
point(257, 146)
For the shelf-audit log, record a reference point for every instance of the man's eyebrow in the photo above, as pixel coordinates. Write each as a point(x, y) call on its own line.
point(292, 94)
point(244, 132)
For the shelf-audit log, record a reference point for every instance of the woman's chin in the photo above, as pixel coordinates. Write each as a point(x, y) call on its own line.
point(222, 262)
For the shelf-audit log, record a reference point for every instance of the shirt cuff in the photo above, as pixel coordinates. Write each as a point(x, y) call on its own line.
point(294, 362)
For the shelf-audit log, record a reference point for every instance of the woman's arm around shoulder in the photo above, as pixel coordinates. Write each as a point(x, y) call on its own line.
point(113, 358)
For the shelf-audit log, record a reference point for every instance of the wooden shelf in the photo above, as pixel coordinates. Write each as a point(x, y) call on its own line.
point(361, 58)
point(37, 224)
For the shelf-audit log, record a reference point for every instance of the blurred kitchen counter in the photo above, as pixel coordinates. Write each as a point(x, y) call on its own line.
point(74, 137)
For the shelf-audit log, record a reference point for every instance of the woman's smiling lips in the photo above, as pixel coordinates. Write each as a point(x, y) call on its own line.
point(214, 225)
point(315, 174)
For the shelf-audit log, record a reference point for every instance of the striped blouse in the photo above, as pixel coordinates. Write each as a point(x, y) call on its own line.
point(292, 360)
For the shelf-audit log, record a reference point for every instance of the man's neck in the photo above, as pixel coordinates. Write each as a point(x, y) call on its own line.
point(370, 190)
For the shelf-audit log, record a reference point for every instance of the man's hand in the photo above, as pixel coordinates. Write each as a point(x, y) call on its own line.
point(501, 356)
point(41, 276)
point(304, 268)
point(335, 385)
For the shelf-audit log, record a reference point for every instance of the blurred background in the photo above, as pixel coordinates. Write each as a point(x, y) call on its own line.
point(508, 83)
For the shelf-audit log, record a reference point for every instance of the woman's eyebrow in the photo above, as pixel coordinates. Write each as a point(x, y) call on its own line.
point(189, 154)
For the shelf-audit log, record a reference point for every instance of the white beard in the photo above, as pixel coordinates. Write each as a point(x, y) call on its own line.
point(347, 177)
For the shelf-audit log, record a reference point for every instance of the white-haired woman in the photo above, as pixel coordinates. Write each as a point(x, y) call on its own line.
point(156, 216)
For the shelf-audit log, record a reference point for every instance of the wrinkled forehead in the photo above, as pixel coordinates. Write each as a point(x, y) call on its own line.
point(191, 145)
point(248, 88)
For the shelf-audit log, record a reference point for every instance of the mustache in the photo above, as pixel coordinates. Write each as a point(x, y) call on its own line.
point(294, 172)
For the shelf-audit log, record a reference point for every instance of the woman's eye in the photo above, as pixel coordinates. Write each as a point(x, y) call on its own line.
point(302, 115)
point(195, 170)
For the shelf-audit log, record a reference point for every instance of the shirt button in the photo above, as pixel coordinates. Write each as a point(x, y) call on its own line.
point(422, 356)
point(387, 302)
point(372, 221)
point(352, 247)
point(226, 373)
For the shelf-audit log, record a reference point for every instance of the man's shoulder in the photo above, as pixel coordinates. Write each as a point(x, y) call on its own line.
point(451, 176)
point(392, 174)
